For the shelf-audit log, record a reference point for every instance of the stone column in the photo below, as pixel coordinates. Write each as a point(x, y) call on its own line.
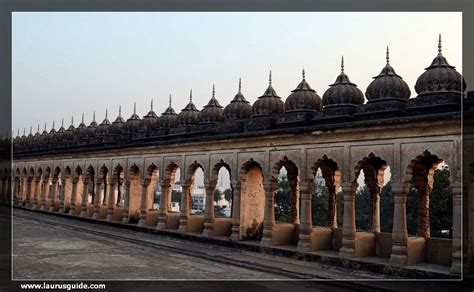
point(72, 206)
point(209, 212)
point(29, 191)
point(269, 214)
point(235, 236)
point(85, 199)
point(348, 225)
point(111, 203)
point(399, 256)
point(306, 224)
point(456, 265)
point(45, 192)
point(376, 214)
point(16, 191)
point(164, 204)
point(98, 198)
point(294, 201)
point(62, 196)
point(184, 214)
point(331, 221)
point(144, 202)
point(21, 191)
point(37, 193)
point(53, 194)
point(125, 216)
point(424, 192)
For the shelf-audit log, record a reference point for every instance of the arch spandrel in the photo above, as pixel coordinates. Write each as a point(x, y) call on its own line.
point(157, 161)
point(262, 158)
point(315, 154)
point(138, 162)
point(279, 156)
point(219, 158)
point(410, 151)
point(358, 153)
point(172, 162)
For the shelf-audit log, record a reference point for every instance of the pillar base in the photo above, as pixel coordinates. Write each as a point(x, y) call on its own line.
point(110, 215)
point(304, 243)
point(125, 219)
point(142, 220)
point(398, 260)
point(51, 209)
point(266, 241)
point(456, 267)
point(161, 225)
point(347, 253)
point(183, 224)
point(96, 215)
point(208, 229)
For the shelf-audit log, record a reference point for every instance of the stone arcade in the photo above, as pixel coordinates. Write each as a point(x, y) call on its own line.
point(119, 162)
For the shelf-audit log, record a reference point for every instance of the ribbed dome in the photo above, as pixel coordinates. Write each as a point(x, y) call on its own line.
point(133, 123)
point(212, 112)
point(303, 98)
point(239, 107)
point(117, 125)
point(52, 134)
point(91, 129)
point(81, 129)
point(440, 76)
point(343, 91)
point(168, 119)
point(60, 133)
point(104, 127)
point(69, 134)
point(269, 103)
point(190, 114)
point(387, 84)
point(149, 121)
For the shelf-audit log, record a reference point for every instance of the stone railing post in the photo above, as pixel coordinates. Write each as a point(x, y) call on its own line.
point(399, 256)
point(269, 214)
point(306, 224)
point(209, 212)
point(235, 236)
point(348, 225)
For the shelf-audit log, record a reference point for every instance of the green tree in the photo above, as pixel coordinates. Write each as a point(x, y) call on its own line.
point(441, 205)
point(176, 196)
point(217, 195)
point(386, 208)
point(319, 208)
point(228, 194)
point(219, 211)
point(282, 200)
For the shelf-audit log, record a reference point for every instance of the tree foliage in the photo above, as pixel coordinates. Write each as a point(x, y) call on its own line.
point(176, 196)
point(217, 195)
point(319, 204)
point(228, 194)
point(282, 200)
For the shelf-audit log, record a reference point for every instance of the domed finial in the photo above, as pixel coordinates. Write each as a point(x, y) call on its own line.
point(72, 120)
point(106, 113)
point(342, 64)
point(93, 116)
point(62, 122)
point(120, 111)
point(387, 57)
point(44, 126)
point(170, 101)
point(213, 90)
point(303, 74)
point(82, 119)
point(53, 124)
point(151, 105)
point(270, 78)
point(240, 84)
point(439, 44)
point(38, 128)
point(134, 108)
point(191, 95)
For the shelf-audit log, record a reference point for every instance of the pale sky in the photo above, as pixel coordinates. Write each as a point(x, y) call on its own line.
point(70, 63)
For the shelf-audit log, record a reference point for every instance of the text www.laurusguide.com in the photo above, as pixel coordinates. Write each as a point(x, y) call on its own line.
point(61, 286)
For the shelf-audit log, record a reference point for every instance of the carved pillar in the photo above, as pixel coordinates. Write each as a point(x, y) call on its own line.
point(62, 195)
point(44, 192)
point(209, 212)
point(85, 199)
point(306, 224)
point(164, 204)
point(37, 192)
point(21, 191)
point(348, 225)
point(269, 214)
point(72, 208)
point(185, 198)
point(29, 191)
point(98, 197)
point(399, 256)
point(111, 203)
point(16, 191)
point(456, 265)
point(235, 236)
point(332, 200)
point(294, 200)
point(53, 193)
point(126, 196)
point(144, 202)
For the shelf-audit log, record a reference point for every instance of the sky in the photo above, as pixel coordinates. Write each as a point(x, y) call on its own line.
point(68, 63)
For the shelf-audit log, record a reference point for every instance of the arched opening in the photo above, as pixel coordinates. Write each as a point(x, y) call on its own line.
point(102, 190)
point(170, 198)
point(38, 188)
point(149, 215)
point(223, 194)
point(88, 193)
point(132, 195)
point(24, 187)
point(65, 192)
point(115, 200)
point(193, 200)
point(429, 210)
point(77, 192)
point(55, 190)
point(252, 201)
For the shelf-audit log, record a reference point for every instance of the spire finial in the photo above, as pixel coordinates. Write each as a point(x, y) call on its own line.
point(151, 105)
point(72, 120)
point(62, 122)
point(213, 90)
point(270, 78)
point(120, 110)
point(191, 95)
point(342, 64)
point(53, 124)
point(106, 113)
point(93, 116)
point(45, 126)
point(24, 131)
point(82, 119)
point(240, 84)
point(170, 101)
point(31, 130)
point(303, 74)
point(18, 132)
point(439, 44)
point(387, 57)
point(38, 128)
point(134, 108)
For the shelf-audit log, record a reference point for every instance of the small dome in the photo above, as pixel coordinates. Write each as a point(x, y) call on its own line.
point(81, 129)
point(387, 84)
point(104, 127)
point(91, 129)
point(239, 107)
point(117, 125)
point(269, 103)
point(149, 121)
point(59, 136)
point(168, 118)
point(343, 91)
point(440, 76)
point(133, 123)
point(44, 135)
point(212, 112)
point(303, 98)
point(69, 134)
point(190, 114)
point(51, 135)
